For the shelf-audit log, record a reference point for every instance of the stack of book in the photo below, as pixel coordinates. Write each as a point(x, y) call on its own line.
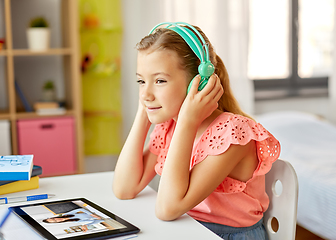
point(17, 173)
point(49, 108)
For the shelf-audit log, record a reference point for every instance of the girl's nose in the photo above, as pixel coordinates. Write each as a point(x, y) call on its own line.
point(147, 94)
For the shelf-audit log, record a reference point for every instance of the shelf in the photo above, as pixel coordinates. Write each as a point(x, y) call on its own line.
point(24, 115)
point(31, 68)
point(114, 114)
point(101, 30)
point(4, 115)
point(3, 52)
point(27, 52)
point(52, 51)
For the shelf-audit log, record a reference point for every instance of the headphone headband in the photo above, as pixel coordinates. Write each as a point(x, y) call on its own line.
point(197, 44)
point(189, 37)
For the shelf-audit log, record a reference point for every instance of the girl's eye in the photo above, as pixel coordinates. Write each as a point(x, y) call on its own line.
point(161, 81)
point(141, 82)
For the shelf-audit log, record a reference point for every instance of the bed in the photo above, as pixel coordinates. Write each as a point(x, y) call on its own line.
point(309, 144)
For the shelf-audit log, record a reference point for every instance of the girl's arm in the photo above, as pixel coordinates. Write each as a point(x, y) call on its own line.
point(135, 166)
point(180, 190)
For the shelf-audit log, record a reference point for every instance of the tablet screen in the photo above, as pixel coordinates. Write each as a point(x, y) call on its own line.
point(73, 219)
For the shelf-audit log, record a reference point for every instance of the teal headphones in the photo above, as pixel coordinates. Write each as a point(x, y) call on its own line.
point(201, 49)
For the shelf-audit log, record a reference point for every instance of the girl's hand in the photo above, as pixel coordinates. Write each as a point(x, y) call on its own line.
point(141, 112)
point(198, 105)
point(141, 107)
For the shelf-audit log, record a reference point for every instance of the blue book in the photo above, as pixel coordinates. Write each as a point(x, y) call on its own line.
point(23, 98)
point(16, 167)
point(37, 170)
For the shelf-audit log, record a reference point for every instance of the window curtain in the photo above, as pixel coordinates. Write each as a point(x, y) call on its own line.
point(332, 79)
point(225, 22)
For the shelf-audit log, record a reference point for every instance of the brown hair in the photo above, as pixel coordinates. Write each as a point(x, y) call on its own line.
point(166, 39)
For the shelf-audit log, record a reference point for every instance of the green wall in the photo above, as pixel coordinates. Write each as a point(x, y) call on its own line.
point(101, 39)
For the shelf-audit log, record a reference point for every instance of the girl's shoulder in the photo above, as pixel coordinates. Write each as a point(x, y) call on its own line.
point(229, 128)
point(236, 128)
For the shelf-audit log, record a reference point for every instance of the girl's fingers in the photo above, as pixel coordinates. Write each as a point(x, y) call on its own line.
point(212, 89)
point(210, 85)
point(216, 86)
point(220, 87)
point(194, 84)
point(219, 93)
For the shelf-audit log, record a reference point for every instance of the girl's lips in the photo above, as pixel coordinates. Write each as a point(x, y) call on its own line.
point(151, 109)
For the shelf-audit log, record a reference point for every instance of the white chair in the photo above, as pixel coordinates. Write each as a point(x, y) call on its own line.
point(282, 189)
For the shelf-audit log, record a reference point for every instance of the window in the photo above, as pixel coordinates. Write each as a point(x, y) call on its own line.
point(290, 47)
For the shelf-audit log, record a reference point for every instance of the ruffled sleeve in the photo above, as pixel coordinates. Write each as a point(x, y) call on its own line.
point(230, 129)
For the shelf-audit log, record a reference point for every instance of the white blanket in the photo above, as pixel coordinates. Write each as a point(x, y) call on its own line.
point(309, 144)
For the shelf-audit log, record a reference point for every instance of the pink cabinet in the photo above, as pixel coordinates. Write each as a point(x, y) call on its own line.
point(52, 143)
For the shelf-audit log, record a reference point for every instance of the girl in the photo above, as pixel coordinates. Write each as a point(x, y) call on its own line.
point(211, 156)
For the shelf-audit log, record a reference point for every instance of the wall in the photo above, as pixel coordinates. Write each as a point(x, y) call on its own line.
point(318, 105)
point(136, 26)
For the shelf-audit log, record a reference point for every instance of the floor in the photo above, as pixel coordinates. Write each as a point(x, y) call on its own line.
point(107, 163)
point(303, 234)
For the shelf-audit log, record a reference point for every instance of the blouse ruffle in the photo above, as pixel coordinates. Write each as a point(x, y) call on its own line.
point(225, 130)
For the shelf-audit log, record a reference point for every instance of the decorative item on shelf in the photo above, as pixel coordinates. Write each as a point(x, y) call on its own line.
point(2, 43)
point(102, 68)
point(49, 91)
point(86, 61)
point(91, 21)
point(49, 108)
point(43, 105)
point(49, 105)
point(38, 34)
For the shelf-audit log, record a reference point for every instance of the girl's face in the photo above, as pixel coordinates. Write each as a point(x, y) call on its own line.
point(162, 84)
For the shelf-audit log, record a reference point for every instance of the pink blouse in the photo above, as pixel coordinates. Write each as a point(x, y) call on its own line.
point(233, 203)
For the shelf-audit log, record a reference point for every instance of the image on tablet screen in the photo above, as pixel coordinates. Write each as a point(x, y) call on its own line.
point(73, 218)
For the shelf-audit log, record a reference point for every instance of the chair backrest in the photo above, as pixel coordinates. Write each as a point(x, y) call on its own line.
point(282, 189)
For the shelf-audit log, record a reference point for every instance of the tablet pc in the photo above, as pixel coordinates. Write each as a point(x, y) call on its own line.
point(73, 219)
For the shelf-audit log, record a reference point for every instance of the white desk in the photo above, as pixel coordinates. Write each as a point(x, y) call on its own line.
point(97, 187)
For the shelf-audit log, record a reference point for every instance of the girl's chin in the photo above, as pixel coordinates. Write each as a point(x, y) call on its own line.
point(160, 118)
point(157, 120)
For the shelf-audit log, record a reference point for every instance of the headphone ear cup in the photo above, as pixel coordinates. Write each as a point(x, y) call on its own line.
point(206, 69)
point(201, 85)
